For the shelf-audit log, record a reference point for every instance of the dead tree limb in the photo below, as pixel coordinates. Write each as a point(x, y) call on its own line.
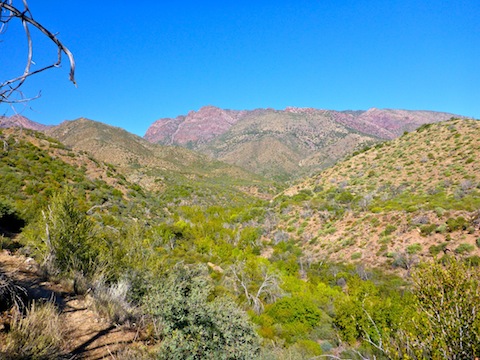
point(8, 13)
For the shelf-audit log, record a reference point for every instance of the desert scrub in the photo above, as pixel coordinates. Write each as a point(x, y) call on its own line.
point(436, 249)
point(356, 256)
point(414, 249)
point(328, 229)
point(389, 229)
point(193, 326)
point(38, 335)
point(464, 248)
point(426, 230)
point(458, 223)
point(111, 301)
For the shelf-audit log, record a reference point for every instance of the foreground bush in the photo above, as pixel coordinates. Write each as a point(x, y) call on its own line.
point(64, 236)
point(190, 326)
point(38, 335)
point(443, 322)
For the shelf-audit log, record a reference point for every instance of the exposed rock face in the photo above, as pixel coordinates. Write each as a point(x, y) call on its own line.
point(20, 121)
point(209, 122)
point(389, 124)
point(285, 143)
point(197, 126)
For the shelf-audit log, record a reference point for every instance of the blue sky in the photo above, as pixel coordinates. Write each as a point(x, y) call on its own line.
point(144, 60)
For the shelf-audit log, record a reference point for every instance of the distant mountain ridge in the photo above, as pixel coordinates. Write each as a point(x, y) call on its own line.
point(285, 144)
point(21, 122)
point(276, 144)
point(157, 167)
point(210, 121)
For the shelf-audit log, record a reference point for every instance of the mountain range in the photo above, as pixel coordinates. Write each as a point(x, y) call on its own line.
point(285, 144)
point(156, 167)
point(279, 145)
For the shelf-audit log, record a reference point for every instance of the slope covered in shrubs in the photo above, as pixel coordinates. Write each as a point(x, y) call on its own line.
point(396, 203)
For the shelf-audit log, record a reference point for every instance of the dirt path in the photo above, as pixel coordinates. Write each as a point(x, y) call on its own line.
point(88, 336)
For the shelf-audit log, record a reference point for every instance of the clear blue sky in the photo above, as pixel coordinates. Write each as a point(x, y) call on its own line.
point(138, 61)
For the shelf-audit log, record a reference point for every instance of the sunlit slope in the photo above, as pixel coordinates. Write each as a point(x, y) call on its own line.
point(173, 171)
point(414, 197)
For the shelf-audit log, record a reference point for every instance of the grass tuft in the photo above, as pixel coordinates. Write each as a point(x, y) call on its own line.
point(38, 335)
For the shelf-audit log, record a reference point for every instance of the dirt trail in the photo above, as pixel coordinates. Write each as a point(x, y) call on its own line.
point(88, 335)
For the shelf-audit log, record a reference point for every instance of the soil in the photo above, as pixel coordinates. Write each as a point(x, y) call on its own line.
point(88, 336)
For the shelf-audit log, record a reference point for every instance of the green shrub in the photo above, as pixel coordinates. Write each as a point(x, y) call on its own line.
point(436, 249)
point(66, 236)
point(298, 316)
point(191, 326)
point(464, 248)
point(414, 249)
point(473, 260)
point(344, 197)
point(389, 229)
point(441, 229)
point(356, 256)
point(458, 223)
point(426, 230)
point(308, 348)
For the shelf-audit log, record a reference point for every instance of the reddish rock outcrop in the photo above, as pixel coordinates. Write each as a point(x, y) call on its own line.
point(198, 126)
point(20, 121)
point(209, 122)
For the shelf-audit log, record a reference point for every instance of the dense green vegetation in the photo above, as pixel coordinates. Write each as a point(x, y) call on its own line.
point(230, 281)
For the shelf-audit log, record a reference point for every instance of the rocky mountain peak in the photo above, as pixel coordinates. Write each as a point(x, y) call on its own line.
point(197, 126)
point(20, 122)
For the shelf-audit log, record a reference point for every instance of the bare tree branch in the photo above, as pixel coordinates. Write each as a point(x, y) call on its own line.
point(9, 12)
point(264, 289)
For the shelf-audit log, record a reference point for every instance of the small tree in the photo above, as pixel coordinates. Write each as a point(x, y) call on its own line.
point(256, 285)
point(64, 236)
point(449, 297)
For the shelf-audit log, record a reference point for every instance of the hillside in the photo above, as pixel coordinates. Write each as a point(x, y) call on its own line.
point(285, 144)
point(175, 173)
point(33, 167)
point(395, 204)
